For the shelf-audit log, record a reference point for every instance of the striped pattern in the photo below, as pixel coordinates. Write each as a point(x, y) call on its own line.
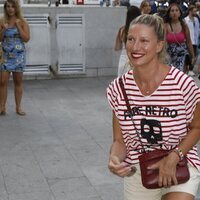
point(162, 118)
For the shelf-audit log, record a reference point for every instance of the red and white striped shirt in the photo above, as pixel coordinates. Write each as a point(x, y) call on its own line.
point(162, 118)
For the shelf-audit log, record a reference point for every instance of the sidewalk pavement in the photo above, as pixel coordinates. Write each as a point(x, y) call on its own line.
point(59, 150)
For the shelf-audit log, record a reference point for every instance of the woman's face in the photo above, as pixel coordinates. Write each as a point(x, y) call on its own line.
point(146, 9)
point(174, 13)
point(10, 9)
point(142, 45)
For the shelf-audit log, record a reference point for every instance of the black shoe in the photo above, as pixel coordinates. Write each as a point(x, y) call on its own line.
point(199, 77)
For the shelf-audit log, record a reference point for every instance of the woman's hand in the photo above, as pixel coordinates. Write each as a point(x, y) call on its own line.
point(18, 23)
point(121, 169)
point(23, 29)
point(4, 27)
point(167, 170)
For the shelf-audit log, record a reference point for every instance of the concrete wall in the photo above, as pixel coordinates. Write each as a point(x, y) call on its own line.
point(101, 26)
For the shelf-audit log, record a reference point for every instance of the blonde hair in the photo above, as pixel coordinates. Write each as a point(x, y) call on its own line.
point(17, 7)
point(157, 24)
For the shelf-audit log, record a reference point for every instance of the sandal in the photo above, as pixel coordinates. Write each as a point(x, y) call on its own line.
point(20, 112)
point(3, 111)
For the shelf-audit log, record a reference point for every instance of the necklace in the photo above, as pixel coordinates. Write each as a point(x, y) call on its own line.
point(146, 90)
point(175, 27)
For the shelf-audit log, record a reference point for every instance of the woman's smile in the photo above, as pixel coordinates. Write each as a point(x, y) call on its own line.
point(137, 55)
point(142, 45)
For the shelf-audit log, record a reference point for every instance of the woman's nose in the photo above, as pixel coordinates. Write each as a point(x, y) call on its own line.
point(136, 45)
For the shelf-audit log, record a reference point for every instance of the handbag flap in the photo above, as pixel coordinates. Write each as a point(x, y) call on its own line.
point(158, 153)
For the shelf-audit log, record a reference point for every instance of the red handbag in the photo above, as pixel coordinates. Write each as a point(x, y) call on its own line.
point(150, 177)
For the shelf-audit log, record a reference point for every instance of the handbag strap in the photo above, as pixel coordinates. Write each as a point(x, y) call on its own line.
point(178, 41)
point(130, 111)
point(175, 36)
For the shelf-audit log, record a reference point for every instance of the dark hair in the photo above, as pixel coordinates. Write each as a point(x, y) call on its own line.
point(132, 13)
point(167, 18)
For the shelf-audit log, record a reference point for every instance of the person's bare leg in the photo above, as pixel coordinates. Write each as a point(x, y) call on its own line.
point(3, 91)
point(178, 196)
point(18, 89)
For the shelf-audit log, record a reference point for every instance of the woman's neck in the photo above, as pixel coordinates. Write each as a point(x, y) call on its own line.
point(12, 18)
point(175, 26)
point(146, 73)
point(11, 21)
point(175, 21)
point(148, 79)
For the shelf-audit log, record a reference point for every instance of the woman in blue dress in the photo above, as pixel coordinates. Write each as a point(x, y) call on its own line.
point(14, 32)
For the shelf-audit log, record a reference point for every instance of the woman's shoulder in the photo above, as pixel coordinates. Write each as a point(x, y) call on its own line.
point(184, 25)
point(24, 21)
point(176, 72)
point(181, 78)
point(119, 39)
point(114, 83)
point(167, 27)
point(122, 28)
point(122, 33)
point(123, 78)
point(166, 24)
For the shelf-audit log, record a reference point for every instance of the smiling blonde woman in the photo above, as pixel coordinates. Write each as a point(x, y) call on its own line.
point(165, 108)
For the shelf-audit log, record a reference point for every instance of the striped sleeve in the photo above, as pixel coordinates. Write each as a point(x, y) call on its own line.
point(191, 95)
point(113, 95)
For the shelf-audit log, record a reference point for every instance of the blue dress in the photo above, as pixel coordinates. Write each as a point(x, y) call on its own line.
point(14, 53)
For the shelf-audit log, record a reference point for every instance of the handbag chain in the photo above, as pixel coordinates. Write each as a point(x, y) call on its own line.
point(130, 112)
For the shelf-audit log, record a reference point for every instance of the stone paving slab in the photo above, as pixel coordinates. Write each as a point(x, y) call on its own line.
point(59, 150)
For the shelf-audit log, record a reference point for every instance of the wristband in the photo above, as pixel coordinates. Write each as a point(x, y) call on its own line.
point(179, 153)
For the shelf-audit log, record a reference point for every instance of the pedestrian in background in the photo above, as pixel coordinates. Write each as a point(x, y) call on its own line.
point(123, 66)
point(198, 47)
point(154, 90)
point(193, 25)
point(145, 7)
point(14, 32)
point(179, 45)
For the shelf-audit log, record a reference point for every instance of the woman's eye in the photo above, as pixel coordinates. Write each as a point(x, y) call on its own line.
point(144, 41)
point(130, 39)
